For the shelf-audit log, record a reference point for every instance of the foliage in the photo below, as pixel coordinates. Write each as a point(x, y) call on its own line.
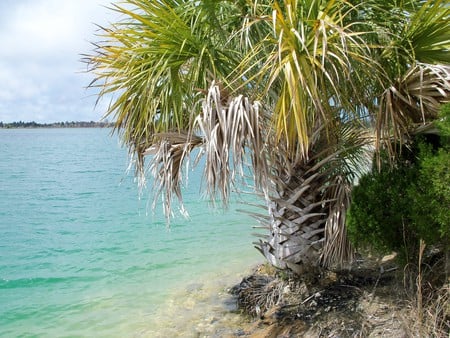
point(394, 207)
point(443, 124)
point(378, 214)
point(431, 192)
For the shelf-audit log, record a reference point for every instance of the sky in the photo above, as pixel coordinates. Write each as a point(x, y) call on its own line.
point(42, 78)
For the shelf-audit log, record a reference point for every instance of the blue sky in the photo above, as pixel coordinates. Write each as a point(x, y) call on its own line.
point(41, 76)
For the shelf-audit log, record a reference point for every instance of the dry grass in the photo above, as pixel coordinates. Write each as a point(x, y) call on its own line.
point(432, 318)
point(430, 304)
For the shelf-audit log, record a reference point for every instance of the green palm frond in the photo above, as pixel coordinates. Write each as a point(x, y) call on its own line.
point(414, 54)
point(427, 32)
point(312, 55)
point(353, 151)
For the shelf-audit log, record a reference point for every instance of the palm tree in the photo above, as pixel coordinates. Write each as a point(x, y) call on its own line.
point(296, 87)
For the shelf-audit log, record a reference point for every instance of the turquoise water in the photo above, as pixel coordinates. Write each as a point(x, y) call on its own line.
point(81, 255)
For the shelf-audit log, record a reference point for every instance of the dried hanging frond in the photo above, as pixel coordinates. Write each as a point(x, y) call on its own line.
point(169, 153)
point(337, 248)
point(232, 128)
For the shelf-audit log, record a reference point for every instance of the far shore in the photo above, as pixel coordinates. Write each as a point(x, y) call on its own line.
point(72, 124)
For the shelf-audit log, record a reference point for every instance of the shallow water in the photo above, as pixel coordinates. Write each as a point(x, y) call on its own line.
point(82, 255)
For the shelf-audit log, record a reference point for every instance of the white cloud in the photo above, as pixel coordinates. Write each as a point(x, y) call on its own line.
point(40, 63)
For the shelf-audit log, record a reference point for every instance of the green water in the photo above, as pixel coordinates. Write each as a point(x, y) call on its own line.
point(82, 256)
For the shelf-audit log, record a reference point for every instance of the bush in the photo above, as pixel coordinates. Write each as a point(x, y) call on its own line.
point(392, 209)
point(431, 196)
point(380, 212)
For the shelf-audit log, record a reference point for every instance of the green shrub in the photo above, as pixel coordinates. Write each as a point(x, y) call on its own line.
point(392, 209)
point(380, 213)
point(431, 194)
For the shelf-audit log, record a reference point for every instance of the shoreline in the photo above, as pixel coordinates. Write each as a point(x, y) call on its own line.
point(203, 308)
point(55, 125)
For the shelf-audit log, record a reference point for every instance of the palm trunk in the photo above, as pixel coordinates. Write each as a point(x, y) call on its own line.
point(306, 220)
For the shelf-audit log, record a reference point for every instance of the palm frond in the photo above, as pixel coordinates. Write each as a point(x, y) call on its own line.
point(169, 152)
point(311, 57)
point(337, 248)
point(232, 127)
point(414, 99)
point(427, 32)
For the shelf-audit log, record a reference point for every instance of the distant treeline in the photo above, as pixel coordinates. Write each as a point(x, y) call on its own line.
point(73, 124)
